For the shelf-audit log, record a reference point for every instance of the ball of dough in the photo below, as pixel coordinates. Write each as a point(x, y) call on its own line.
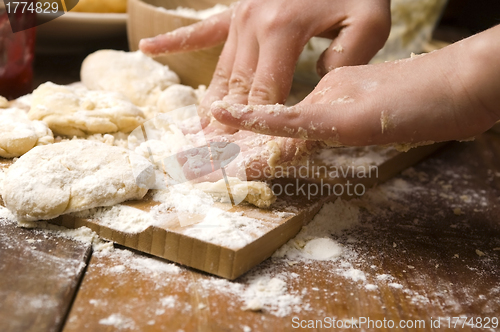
point(4, 103)
point(177, 96)
point(18, 134)
point(138, 77)
point(72, 176)
point(76, 111)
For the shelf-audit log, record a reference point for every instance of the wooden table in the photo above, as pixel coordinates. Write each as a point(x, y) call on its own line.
point(431, 252)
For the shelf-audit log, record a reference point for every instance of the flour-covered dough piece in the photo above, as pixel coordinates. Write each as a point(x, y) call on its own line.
point(72, 176)
point(18, 134)
point(257, 193)
point(138, 77)
point(4, 103)
point(178, 95)
point(77, 111)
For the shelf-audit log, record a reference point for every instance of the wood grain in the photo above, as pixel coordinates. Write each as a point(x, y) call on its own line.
point(39, 275)
point(417, 254)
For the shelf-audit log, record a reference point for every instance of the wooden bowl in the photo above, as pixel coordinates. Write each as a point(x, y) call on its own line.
point(146, 19)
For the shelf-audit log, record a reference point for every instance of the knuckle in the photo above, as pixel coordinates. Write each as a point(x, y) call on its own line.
point(239, 84)
point(220, 74)
point(261, 95)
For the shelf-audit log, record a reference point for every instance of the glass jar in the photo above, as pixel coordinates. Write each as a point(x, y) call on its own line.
point(17, 51)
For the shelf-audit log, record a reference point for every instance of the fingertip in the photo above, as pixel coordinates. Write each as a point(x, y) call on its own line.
point(229, 113)
point(145, 45)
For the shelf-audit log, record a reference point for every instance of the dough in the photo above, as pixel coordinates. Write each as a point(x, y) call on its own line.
point(177, 96)
point(254, 192)
point(4, 103)
point(72, 176)
point(76, 111)
point(138, 77)
point(18, 134)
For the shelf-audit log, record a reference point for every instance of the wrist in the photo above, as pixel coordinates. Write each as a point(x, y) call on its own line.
point(480, 60)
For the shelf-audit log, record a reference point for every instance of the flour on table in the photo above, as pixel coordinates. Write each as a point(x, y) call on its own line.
point(77, 111)
point(138, 77)
point(313, 241)
point(18, 134)
point(71, 176)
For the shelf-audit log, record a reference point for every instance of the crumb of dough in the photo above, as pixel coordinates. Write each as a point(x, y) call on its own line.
point(338, 48)
point(274, 155)
point(405, 147)
point(386, 121)
point(480, 253)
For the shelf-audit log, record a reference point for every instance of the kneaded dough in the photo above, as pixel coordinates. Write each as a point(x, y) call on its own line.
point(4, 103)
point(77, 111)
point(72, 176)
point(177, 96)
point(18, 134)
point(138, 77)
point(254, 192)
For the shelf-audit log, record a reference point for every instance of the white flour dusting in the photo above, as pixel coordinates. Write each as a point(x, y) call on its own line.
point(314, 240)
point(119, 322)
point(270, 294)
point(120, 217)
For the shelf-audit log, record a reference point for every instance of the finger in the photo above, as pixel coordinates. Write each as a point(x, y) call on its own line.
point(205, 34)
point(336, 125)
point(246, 59)
point(274, 74)
point(356, 43)
point(218, 87)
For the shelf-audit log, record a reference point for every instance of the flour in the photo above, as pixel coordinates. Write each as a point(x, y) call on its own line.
point(119, 322)
point(270, 294)
point(119, 217)
point(311, 242)
point(168, 301)
point(127, 260)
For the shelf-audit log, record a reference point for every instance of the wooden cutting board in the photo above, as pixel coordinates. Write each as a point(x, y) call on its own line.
point(281, 222)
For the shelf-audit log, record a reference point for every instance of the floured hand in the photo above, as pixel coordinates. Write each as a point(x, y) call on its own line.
point(265, 38)
point(445, 95)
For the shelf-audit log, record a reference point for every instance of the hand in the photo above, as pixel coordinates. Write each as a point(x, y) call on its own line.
point(266, 37)
point(444, 95)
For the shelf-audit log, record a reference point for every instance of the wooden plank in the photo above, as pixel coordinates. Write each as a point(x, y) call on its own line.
point(233, 262)
point(417, 255)
point(39, 276)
